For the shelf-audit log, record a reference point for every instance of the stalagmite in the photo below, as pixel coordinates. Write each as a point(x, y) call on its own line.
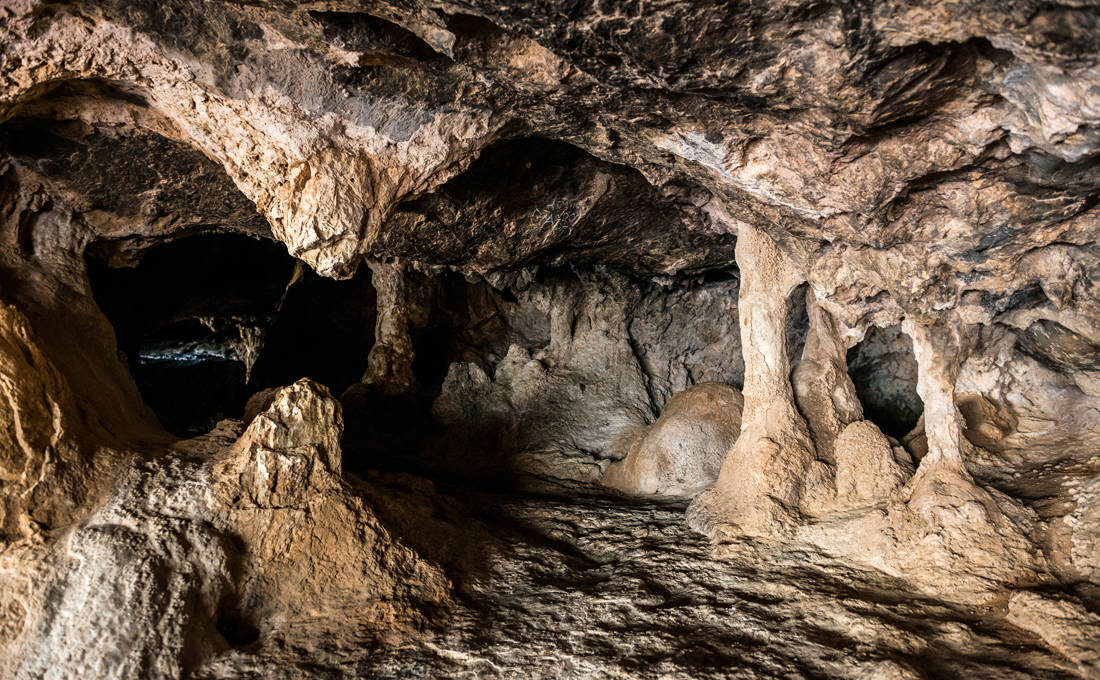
point(822, 389)
point(681, 454)
point(940, 528)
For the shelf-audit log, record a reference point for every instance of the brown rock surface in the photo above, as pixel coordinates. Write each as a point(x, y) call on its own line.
point(539, 249)
point(223, 541)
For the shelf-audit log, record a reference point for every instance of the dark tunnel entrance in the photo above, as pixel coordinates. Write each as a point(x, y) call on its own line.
point(884, 371)
point(206, 321)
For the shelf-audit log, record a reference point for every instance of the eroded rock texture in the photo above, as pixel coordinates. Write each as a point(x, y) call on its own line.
point(537, 339)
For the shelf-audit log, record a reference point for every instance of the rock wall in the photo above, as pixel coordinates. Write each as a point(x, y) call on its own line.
point(229, 537)
point(565, 404)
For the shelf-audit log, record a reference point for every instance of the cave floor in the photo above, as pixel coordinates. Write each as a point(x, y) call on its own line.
point(590, 586)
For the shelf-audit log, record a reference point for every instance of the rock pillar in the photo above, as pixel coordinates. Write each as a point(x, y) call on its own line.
point(389, 365)
point(760, 485)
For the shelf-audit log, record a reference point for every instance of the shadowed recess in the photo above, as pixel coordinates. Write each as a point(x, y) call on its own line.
point(205, 321)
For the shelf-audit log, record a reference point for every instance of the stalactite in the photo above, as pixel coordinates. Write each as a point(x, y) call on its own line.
point(249, 347)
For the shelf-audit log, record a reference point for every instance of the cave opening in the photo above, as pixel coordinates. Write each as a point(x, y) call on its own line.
point(206, 321)
point(883, 369)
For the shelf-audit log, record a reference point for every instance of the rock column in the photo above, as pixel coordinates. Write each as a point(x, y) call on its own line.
point(389, 365)
point(939, 351)
point(761, 482)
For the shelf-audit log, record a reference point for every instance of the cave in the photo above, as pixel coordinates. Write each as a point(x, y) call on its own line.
point(497, 340)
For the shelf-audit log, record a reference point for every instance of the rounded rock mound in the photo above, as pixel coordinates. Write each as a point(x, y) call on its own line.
point(680, 455)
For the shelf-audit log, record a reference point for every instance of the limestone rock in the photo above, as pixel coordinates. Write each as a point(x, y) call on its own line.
point(389, 364)
point(680, 454)
point(47, 453)
point(868, 469)
point(765, 476)
point(289, 450)
point(309, 540)
point(257, 539)
point(589, 363)
point(1059, 623)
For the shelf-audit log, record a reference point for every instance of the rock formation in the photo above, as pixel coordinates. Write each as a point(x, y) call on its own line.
point(682, 453)
point(597, 339)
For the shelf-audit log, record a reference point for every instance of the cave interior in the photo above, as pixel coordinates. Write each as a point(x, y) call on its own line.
point(463, 340)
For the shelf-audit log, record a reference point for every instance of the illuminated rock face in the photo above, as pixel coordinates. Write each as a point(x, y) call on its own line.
point(458, 339)
point(681, 454)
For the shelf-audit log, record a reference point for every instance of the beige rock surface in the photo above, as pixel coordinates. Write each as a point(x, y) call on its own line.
point(325, 184)
point(768, 471)
point(38, 410)
point(310, 543)
point(682, 452)
point(225, 540)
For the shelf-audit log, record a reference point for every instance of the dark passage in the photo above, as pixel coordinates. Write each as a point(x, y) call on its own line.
point(798, 323)
point(450, 320)
point(208, 320)
point(884, 372)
